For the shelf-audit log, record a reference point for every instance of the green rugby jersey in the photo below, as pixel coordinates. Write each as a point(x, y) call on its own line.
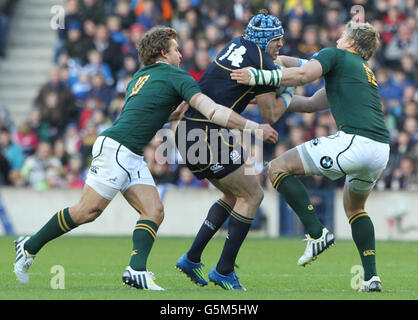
point(353, 93)
point(151, 96)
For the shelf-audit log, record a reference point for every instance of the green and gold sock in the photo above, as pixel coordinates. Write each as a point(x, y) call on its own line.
point(362, 230)
point(143, 238)
point(295, 194)
point(59, 224)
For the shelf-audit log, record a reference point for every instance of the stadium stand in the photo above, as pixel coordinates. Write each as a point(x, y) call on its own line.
point(94, 57)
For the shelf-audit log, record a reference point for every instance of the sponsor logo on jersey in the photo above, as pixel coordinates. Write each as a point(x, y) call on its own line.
point(326, 162)
point(315, 141)
point(216, 167)
point(234, 155)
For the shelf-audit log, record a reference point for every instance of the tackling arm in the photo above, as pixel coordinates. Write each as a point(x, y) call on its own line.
point(290, 62)
point(318, 101)
point(227, 118)
point(295, 76)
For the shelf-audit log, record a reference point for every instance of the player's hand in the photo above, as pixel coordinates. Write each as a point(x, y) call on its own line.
point(242, 76)
point(269, 134)
point(178, 113)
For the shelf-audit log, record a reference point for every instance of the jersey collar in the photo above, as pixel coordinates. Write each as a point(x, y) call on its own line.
point(352, 51)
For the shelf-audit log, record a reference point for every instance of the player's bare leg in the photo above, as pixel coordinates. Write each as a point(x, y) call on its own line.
point(362, 230)
point(90, 206)
point(146, 201)
point(282, 171)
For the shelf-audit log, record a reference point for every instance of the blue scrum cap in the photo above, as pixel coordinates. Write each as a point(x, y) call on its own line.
point(262, 29)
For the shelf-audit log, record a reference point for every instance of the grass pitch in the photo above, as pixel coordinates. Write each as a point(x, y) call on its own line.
point(93, 268)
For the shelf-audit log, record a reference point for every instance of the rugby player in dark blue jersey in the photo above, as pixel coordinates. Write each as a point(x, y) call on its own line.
point(224, 163)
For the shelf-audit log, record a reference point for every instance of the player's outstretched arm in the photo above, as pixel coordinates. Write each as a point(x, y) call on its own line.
point(227, 118)
point(290, 62)
point(318, 101)
point(297, 76)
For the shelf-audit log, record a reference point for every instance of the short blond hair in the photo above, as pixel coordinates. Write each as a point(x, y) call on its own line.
point(153, 41)
point(366, 38)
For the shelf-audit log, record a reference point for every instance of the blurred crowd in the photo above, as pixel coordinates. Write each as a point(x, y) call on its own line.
point(95, 58)
point(6, 10)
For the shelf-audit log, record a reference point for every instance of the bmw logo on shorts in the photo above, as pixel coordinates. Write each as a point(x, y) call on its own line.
point(326, 162)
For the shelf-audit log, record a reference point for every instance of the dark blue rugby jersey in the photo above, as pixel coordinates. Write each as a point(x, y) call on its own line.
point(217, 84)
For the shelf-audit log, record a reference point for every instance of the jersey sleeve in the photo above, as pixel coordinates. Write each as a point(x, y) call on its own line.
point(327, 58)
point(184, 84)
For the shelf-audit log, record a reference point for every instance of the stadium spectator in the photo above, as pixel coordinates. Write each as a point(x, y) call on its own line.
point(187, 179)
point(42, 168)
point(89, 135)
point(89, 30)
point(404, 177)
point(309, 43)
point(95, 65)
point(71, 16)
point(56, 102)
point(60, 152)
point(241, 9)
point(136, 31)
point(293, 37)
point(38, 126)
point(6, 9)
point(92, 10)
point(81, 87)
point(149, 15)
point(299, 11)
point(5, 119)
point(116, 106)
point(202, 61)
point(114, 24)
point(101, 90)
point(405, 41)
point(91, 104)
point(123, 11)
point(26, 139)
point(72, 139)
point(74, 175)
point(74, 45)
point(109, 49)
point(4, 170)
point(100, 120)
point(391, 22)
point(130, 66)
point(14, 155)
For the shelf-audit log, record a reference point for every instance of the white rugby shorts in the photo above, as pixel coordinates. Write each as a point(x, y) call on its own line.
point(360, 159)
point(115, 168)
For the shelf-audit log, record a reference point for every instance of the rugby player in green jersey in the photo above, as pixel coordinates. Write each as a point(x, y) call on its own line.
point(359, 150)
point(118, 164)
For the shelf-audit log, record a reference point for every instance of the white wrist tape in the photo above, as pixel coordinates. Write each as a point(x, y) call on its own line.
point(265, 77)
point(216, 113)
point(287, 97)
point(302, 62)
point(251, 125)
